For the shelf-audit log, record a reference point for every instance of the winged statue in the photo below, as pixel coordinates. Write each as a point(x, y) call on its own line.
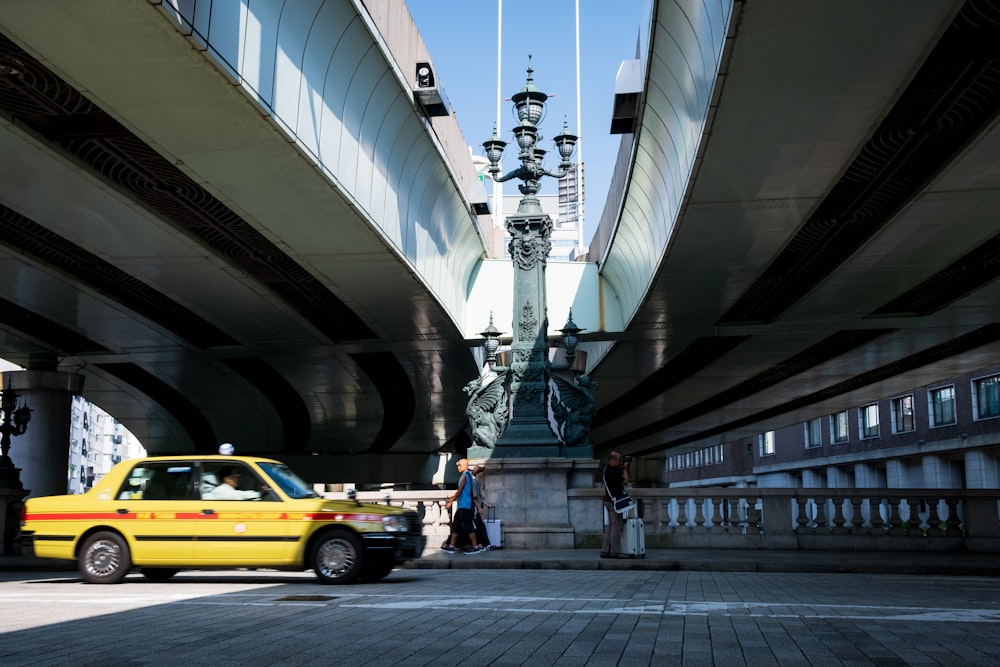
point(574, 408)
point(488, 409)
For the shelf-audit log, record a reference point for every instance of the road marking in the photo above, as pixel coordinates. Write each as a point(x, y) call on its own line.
point(531, 605)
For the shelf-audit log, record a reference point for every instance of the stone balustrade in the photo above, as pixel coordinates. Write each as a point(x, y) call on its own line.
point(765, 518)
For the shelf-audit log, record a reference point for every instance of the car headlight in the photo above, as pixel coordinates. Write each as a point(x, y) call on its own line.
point(394, 523)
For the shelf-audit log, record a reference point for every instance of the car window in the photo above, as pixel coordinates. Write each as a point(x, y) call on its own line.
point(158, 481)
point(290, 483)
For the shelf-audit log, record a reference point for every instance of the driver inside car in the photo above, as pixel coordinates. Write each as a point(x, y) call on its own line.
point(230, 489)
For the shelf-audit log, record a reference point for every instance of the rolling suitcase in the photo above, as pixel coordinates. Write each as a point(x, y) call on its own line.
point(633, 537)
point(494, 529)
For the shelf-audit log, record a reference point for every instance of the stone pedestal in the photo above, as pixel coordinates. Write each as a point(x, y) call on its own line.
point(12, 495)
point(530, 495)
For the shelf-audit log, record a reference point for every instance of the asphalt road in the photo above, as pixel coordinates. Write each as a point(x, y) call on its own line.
point(503, 617)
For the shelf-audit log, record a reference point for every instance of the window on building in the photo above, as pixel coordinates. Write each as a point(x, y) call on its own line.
point(942, 405)
point(902, 414)
point(839, 432)
point(813, 432)
point(868, 421)
point(986, 397)
point(767, 443)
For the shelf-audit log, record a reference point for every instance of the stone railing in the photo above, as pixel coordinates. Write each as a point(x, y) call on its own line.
point(757, 518)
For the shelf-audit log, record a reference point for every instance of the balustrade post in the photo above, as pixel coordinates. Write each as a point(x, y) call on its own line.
point(699, 515)
point(673, 510)
point(912, 525)
point(839, 520)
point(801, 513)
point(725, 514)
point(857, 515)
point(682, 513)
point(895, 522)
point(661, 516)
point(954, 522)
point(713, 514)
point(877, 520)
point(820, 522)
point(755, 516)
point(935, 524)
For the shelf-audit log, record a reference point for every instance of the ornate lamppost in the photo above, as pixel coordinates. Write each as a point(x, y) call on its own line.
point(15, 422)
point(12, 492)
point(528, 431)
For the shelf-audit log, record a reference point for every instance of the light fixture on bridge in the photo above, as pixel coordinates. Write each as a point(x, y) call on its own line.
point(509, 413)
point(571, 336)
point(491, 342)
point(15, 422)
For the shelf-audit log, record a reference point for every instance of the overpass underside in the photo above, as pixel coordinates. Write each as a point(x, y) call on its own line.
point(819, 184)
point(240, 225)
point(230, 239)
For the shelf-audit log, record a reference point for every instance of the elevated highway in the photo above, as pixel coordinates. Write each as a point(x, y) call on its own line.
point(238, 223)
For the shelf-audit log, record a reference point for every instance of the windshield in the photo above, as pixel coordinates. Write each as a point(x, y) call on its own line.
point(290, 483)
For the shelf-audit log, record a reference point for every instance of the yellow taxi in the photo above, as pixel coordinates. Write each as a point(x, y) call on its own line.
point(167, 513)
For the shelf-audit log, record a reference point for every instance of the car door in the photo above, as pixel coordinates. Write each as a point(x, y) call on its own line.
point(238, 529)
point(156, 509)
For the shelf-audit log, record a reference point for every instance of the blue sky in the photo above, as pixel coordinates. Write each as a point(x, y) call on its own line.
point(461, 36)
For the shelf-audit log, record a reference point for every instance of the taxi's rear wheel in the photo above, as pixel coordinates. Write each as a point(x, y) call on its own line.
point(337, 557)
point(158, 574)
point(105, 558)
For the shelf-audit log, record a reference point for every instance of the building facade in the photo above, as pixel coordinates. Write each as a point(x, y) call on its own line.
point(944, 435)
point(97, 442)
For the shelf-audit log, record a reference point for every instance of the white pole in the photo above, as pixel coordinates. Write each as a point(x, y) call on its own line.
point(579, 145)
point(497, 188)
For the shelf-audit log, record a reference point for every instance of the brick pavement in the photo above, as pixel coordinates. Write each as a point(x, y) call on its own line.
point(505, 616)
point(700, 560)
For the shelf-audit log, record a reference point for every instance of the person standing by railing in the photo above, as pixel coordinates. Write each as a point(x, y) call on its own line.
point(615, 480)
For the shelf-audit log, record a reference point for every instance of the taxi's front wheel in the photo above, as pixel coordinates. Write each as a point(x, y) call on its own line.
point(105, 558)
point(337, 557)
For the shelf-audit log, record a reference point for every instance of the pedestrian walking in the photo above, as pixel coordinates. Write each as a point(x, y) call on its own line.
point(463, 522)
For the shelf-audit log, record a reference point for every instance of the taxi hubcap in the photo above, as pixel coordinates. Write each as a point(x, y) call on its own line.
point(337, 556)
point(103, 557)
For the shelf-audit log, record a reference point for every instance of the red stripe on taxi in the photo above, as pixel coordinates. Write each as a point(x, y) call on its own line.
point(78, 516)
point(340, 516)
point(148, 516)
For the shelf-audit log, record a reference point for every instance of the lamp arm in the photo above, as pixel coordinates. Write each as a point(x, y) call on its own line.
point(516, 173)
point(553, 174)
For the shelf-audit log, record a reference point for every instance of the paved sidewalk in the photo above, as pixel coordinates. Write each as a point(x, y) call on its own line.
point(691, 560)
point(725, 560)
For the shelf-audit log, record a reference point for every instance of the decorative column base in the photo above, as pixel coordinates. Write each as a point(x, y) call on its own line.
point(530, 494)
point(526, 438)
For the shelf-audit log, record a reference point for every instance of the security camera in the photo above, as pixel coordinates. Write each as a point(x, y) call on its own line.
point(425, 75)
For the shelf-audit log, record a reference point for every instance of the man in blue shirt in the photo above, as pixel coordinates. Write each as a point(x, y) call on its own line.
point(463, 514)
